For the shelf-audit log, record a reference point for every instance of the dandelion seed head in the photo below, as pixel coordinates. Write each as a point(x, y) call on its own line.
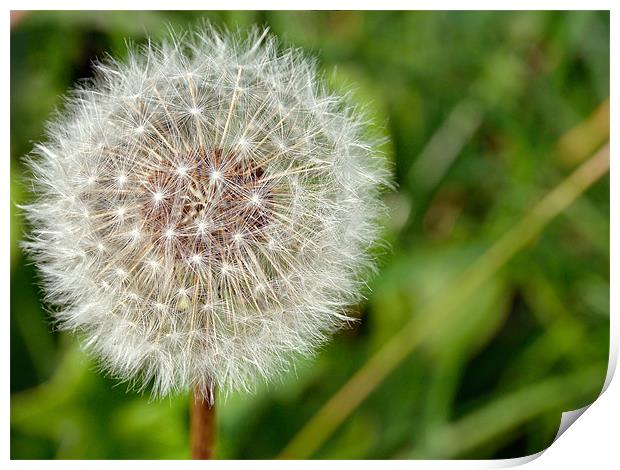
point(228, 204)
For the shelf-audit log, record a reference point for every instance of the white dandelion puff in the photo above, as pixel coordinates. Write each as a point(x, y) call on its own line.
point(204, 211)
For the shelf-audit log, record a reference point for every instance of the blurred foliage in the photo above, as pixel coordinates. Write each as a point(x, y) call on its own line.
point(485, 113)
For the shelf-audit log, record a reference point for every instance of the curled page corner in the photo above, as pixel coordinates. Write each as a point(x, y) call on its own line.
point(569, 417)
point(567, 420)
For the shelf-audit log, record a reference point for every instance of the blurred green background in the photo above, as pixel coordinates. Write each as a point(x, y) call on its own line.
point(485, 114)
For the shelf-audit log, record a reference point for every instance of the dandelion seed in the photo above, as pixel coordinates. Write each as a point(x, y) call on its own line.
point(134, 234)
point(196, 259)
point(153, 264)
point(255, 199)
point(225, 269)
point(201, 227)
point(216, 175)
point(170, 233)
point(158, 196)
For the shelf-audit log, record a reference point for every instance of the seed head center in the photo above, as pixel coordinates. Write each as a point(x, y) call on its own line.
point(208, 203)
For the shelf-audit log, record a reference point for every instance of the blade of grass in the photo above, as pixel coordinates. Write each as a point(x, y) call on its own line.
point(342, 404)
point(446, 144)
point(583, 139)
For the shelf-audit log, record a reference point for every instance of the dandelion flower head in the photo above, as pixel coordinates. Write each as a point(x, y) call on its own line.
point(204, 211)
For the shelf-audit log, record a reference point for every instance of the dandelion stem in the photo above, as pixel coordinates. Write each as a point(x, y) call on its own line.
point(202, 426)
